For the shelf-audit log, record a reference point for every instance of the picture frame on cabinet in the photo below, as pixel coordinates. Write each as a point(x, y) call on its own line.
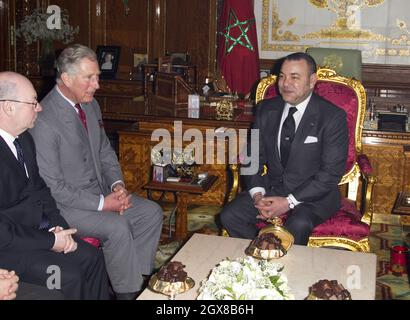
point(108, 58)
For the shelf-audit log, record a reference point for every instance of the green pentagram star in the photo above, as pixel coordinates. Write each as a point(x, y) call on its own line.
point(243, 26)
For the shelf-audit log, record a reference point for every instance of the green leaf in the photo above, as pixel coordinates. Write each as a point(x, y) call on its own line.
point(274, 280)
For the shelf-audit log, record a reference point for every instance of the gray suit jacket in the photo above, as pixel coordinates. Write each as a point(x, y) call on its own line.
point(77, 167)
point(314, 169)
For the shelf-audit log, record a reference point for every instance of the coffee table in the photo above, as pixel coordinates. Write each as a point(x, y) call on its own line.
point(303, 266)
point(181, 192)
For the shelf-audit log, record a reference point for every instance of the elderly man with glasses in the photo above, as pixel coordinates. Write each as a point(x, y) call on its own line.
point(33, 234)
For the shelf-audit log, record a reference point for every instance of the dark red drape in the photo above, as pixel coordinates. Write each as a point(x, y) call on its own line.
point(238, 56)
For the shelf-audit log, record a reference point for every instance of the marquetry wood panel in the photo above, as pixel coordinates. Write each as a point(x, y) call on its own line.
point(388, 164)
point(389, 154)
point(135, 160)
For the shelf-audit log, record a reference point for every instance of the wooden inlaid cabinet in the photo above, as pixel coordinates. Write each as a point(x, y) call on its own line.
point(389, 154)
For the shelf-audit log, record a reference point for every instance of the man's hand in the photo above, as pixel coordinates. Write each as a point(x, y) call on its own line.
point(259, 201)
point(64, 241)
point(118, 201)
point(270, 207)
point(8, 284)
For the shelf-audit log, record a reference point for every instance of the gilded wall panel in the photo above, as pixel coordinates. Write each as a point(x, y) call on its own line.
point(379, 28)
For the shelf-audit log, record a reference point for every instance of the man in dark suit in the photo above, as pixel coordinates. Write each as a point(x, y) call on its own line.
point(35, 240)
point(303, 142)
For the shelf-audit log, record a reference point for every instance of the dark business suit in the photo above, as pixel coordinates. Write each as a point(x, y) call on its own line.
point(26, 249)
point(312, 173)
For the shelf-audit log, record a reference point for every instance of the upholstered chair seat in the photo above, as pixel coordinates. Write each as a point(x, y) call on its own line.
point(93, 241)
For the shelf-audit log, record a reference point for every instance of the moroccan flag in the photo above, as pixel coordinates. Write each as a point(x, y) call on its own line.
point(238, 56)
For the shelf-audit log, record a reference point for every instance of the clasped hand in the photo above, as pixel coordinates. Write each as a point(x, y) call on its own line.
point(270, 207)
point(8, 284)
point(64, 241)
point(118, 201)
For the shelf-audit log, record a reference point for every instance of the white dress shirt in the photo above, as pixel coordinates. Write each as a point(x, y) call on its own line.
point(10, 142)
point(301, 107)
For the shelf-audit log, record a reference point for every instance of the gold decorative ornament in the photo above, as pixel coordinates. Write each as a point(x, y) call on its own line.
point(276, 229)
point(171, 288)
point(224, 110)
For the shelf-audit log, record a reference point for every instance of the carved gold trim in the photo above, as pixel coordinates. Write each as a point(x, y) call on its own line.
point(263, 85)
point(368, 208)
point(340, 242)
point(277, 34)
point(235, 182)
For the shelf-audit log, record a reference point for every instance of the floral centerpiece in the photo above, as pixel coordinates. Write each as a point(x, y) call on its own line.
point(34, 27)
point(246, 279)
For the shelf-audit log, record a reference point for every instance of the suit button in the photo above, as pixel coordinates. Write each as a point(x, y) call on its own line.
point(38, 202)
point(281, 180)
point(85, 159)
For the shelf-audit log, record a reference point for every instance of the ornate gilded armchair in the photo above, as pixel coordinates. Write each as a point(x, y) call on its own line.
point(349, 228)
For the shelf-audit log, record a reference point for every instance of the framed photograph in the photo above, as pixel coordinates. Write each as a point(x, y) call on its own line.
point(139, 61)
point(108, 57)
point(164, 64)
point(179, 58)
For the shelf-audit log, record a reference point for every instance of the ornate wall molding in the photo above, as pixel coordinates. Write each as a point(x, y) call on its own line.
point(378, 27)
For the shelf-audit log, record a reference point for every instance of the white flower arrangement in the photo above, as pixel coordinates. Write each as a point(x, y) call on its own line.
point(246, 279)
point(34, 27)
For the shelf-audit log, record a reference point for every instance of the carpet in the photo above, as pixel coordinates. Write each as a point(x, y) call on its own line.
point(385, 232)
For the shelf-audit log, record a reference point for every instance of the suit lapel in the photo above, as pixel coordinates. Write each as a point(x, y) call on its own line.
point(90, 139)
point(273, 130)
point(94, 138)
point(29, 156)
point(307, 123)
point(70, 117)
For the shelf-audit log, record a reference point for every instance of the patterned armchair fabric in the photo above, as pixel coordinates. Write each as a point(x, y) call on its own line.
point(349, 228)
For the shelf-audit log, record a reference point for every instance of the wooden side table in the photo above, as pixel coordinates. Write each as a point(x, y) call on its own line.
point(181, 192)
point(402, 204)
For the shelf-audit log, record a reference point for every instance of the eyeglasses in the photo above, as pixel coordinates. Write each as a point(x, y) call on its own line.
point(34, 104)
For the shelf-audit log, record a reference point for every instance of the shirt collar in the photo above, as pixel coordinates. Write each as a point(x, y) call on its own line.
point(301, 107)
point(68, 100)
point(7, 137)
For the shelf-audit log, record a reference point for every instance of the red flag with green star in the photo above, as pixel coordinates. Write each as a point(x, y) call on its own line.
point(238, 56)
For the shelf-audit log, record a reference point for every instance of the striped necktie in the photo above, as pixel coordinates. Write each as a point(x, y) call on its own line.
point(82, 116)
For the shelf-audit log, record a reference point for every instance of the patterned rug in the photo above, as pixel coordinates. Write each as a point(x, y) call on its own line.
point(388, 286)
point(384, 234)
